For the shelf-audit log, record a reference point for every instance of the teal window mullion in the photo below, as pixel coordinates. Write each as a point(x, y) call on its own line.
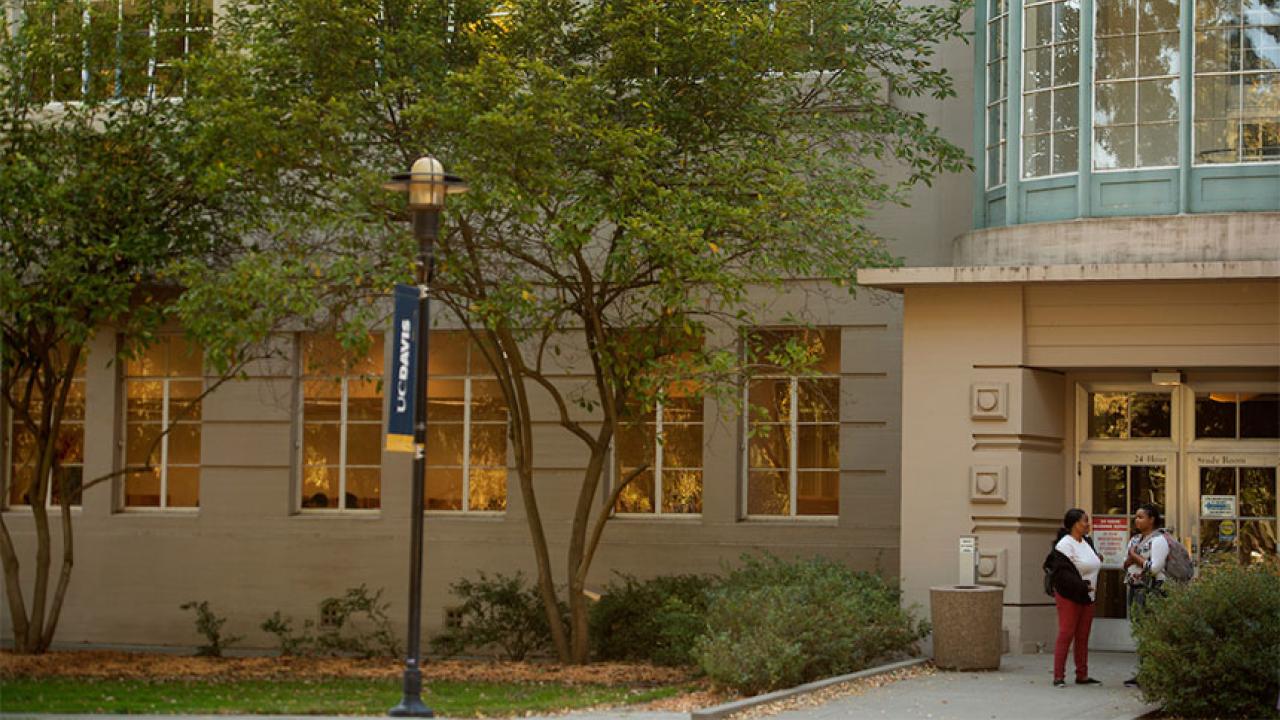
point(1013, 143)
point(980, 219)
point(1084, 164)
point(1186, 86)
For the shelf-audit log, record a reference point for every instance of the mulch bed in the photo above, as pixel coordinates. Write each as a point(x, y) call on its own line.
point(106, 664)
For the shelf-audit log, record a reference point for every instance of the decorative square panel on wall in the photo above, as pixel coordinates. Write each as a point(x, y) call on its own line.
point(989, 401)
point(993, 568)
point(988, 484)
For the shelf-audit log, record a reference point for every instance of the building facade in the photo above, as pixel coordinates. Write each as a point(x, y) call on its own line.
point(1124, 220)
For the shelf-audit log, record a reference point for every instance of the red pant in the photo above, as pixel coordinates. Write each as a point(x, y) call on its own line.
point(1074, 622)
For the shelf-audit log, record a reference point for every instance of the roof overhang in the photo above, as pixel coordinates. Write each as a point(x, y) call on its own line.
point(900, 279)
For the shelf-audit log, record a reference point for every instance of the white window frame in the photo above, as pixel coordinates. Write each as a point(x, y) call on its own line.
point(10, 425)
point(163, 464)
point(1000, 104)
point(657, 468)
point(1051, 89)
point(1196, 74)
point(467, 423)
point(343, 422)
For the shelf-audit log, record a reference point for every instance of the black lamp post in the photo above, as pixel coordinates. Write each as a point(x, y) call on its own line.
point(427, 185)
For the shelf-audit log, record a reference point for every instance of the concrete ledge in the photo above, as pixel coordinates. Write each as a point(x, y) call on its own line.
point(899, 278)
point(729, 708)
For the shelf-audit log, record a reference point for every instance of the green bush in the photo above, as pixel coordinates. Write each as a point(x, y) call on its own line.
point(656, 620)
point(354, 624)
point(497, 612)
point(775, 624)
point(210, 625)
point(1211, 648)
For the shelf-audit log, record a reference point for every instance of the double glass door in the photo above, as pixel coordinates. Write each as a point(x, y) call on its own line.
point(1208, 458)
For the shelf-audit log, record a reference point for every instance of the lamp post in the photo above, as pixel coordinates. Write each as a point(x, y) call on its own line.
point(426, 185)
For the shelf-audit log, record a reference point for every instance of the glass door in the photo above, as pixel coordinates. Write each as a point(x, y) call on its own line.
point(1234, 501)
point(1116, 484)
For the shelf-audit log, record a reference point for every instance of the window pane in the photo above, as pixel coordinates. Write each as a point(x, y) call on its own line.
point(364, 488)
point(73, 477)
point(69, 447)
point(1107, 416)
point(1115, 17)
point(1215, 142)
point(184, 444)
point(1158, 101)
point(364, 400)
point(489, 445)
point(682, 410)
point(184, 487)
point(635, 445)
point(1217, 481)
point(1065, 151)
point(364, 444)
point(488, 491)
point(1039, 24)
point(1261, 49)
point(322, 400)
point(770, 447)
point(1114, 148)
point(487, 402)
point(320, 444)
point(1116, 58)
point(1114, 104)
point(769, 400)
point(1214, 547)
point(819, 447)
point(185, 359)
point(444, 444)
point(1066, 64)
point(443, 488)
point(1036, 160)
point(1066, 26)
point(447, 353)
point(637, 496)
point(20, 484)
point(145, 401)
point(1039, 112)
point(682, 446)
point(142, 489)
point(1217, 12)
point(818, 493)
point(1215, 415)
point(1158, 54)
point(1149, 415)
point(445, 399)
point(1037, 69)
point(319, 487)
point(681, 491)
point(1258, 492)
point(1217, 96)
point(1260, 416)
point(1110, 485)
point(1257, 540)
point(1158, 15)
point(1148, 486)
point(819, 400)
point(151, 363)
point(768, 494)
point(1215, 50)
point(140, 444)
point(184, 402)
point(1158, 145)
point(74, 409)
point(1066, 109)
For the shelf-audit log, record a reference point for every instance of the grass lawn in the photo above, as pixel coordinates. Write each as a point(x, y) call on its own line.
point(339, 696)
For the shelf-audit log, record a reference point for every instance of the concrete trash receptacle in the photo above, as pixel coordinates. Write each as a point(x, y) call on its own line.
point(966, 626)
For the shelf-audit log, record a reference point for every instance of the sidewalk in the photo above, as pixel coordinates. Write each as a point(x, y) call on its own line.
point(1021, 688)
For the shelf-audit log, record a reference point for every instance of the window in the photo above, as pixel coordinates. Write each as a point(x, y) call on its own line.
point(669, 440)
point(341, 460)
point(1136, 71)
point(1237, 415)
point(1249, 532)
point(68, 449)
point(1237, 75)
point(1129, 415)
point(122, 48)
point(793, 425)
point(466, 427)
point(997, 91)
point(1050, 87)
point(162, 389)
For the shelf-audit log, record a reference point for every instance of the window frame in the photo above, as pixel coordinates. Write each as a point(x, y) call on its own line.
point(10, 426)
point(1196, 74)
point(1051, 90)
point(165, 428)
point(793, 424)
point(658, 466)
point(1000, 21)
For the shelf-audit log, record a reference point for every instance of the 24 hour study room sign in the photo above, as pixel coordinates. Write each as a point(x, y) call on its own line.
point(402, 365)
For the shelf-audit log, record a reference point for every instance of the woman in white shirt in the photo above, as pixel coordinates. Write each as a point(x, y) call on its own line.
point(1075, 605)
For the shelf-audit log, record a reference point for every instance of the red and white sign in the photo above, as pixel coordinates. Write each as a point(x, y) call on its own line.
point(1111, 536)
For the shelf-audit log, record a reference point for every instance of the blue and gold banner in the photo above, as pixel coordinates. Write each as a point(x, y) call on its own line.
point(402, 369)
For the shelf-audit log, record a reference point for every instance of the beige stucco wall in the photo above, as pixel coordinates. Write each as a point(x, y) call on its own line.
point(989, 375)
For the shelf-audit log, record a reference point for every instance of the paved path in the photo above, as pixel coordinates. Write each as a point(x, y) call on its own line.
point(1021, 688)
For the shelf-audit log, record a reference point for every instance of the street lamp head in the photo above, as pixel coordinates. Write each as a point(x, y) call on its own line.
point(427, 184)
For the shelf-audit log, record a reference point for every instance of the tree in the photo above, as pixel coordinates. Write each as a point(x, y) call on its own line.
point(123, 213)
point(637, 166)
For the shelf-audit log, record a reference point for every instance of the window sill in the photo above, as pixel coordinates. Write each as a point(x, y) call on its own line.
point(361, 515)
point(656, 517)
point(21, 510)
point(831, 520)
point(158, 512)
point(462, 514)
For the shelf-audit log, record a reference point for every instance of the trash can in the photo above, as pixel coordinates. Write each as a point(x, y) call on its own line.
point(966, 626)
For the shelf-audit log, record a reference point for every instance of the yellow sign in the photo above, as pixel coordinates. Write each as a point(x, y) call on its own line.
point(1227, 530)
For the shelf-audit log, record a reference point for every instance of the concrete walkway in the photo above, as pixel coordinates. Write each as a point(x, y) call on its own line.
point(1021, 688)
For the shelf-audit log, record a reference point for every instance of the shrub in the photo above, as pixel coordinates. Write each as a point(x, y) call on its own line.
point(210, 625)
point(1211, 648)
point(497, 612)
point(353, 624)
point(775, 624)
point(656, 620)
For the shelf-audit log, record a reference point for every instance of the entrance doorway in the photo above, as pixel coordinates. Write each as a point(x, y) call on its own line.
point(1208, 457)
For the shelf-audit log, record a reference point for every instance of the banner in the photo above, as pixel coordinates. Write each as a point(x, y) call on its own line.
point(402, 370)
point(1111, 536)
